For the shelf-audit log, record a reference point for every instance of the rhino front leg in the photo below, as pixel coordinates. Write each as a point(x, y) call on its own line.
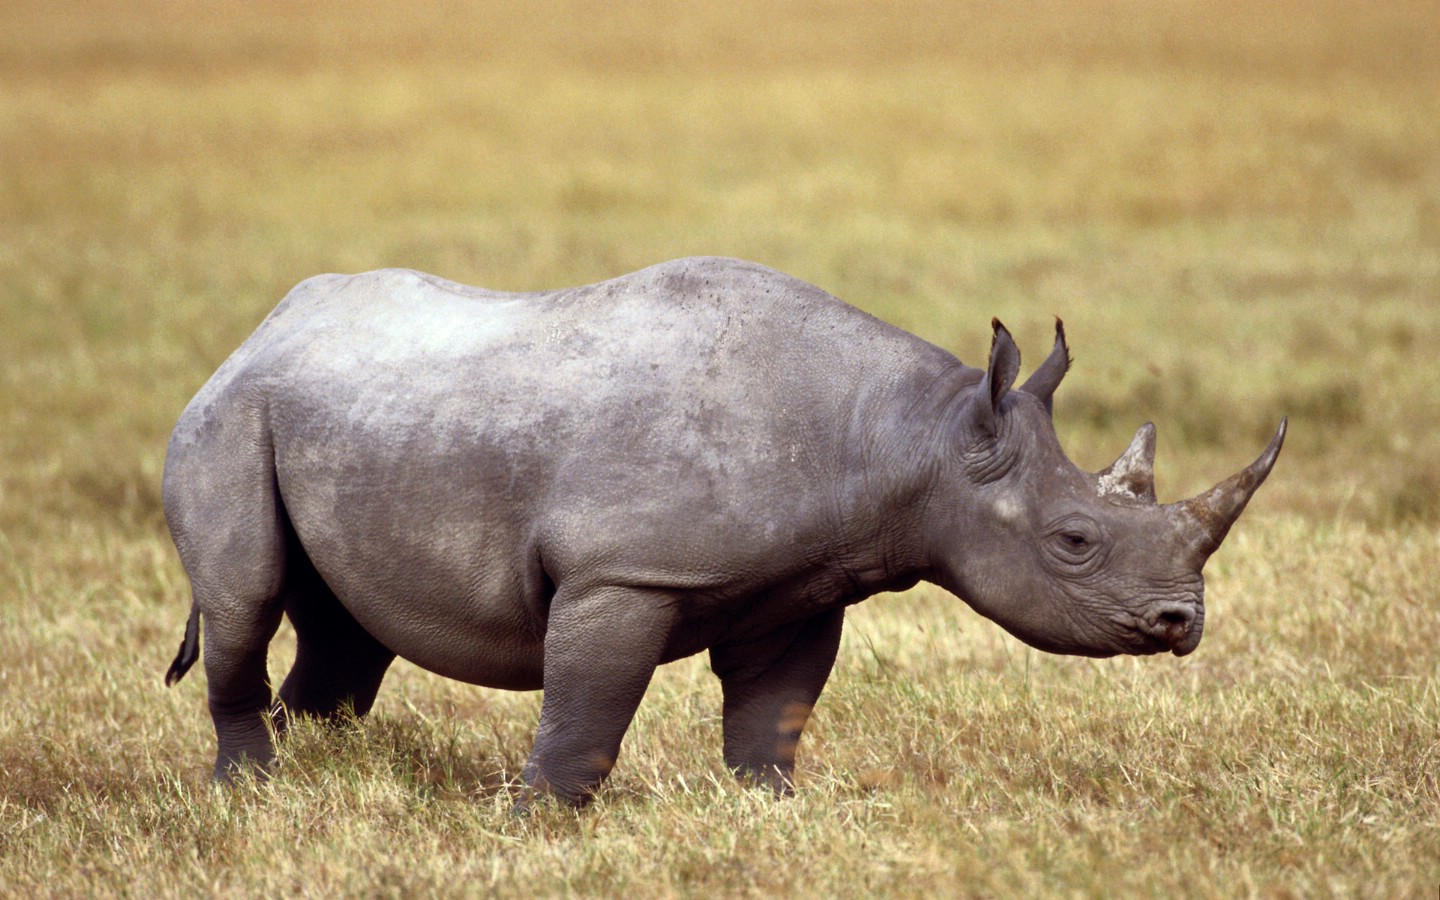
point(601, 650)
point(771, 683)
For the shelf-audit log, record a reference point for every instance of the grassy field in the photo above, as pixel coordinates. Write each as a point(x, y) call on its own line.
point(1234, 207)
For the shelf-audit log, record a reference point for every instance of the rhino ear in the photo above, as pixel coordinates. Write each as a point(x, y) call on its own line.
point(1044, 380)
point(1000, 375)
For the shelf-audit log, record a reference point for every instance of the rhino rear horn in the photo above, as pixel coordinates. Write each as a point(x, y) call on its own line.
point(1212, 513)
point(1044, 380)
point(1000, 375)
point(1133, 474)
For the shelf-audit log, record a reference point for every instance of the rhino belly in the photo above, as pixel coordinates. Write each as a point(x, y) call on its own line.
point(441, 573)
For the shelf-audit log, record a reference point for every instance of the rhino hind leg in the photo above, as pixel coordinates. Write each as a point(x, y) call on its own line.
point(240, 599)
point(338, 665)
point(770, 686)
point(240, 700)
point(601, 650)
point(226, 517)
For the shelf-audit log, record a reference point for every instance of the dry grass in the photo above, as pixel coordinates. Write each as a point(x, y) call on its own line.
point(1235, 207)
point(1297, 753)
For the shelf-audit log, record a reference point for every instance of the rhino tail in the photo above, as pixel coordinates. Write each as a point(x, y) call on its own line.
point(189, 648)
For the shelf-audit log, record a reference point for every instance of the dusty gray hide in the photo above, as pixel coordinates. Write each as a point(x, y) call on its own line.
point(566, 489)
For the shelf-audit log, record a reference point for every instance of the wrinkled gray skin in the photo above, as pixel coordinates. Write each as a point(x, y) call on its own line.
point(566, 489)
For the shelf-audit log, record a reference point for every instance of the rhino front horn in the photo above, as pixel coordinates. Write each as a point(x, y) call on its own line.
point(1212, 513)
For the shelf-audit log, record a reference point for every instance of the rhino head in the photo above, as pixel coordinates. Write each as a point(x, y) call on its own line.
point(1066, 560)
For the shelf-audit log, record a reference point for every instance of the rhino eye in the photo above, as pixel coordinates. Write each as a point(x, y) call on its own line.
point(1075, 546)
point(1075, 543)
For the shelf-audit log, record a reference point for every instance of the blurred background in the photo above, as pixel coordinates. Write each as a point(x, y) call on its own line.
point(1235, 207)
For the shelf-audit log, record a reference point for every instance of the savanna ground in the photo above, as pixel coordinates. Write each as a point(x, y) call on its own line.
point(1235, 208)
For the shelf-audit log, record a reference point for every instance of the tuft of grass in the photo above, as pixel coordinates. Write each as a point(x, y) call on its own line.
point(1233, 208)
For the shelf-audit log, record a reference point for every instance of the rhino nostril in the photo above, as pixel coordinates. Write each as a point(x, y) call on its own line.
point(1171, 622)
point(1174, 623)
point(1172, 617)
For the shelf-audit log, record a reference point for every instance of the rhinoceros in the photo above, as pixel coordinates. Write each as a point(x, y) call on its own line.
point(563, 490)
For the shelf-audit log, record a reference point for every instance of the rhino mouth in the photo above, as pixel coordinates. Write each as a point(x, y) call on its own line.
point(1174, 626)
point(1186, 645)
point(1177, 626)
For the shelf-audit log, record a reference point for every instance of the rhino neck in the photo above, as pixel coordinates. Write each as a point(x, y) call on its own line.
point(899, 447)
point(959, 474)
